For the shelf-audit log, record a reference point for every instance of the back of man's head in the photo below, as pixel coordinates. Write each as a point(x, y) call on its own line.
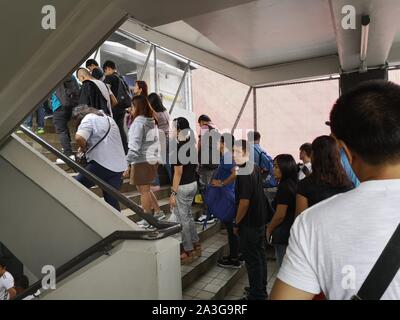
point(254, 137)
point(367, 120)
point(83, 73)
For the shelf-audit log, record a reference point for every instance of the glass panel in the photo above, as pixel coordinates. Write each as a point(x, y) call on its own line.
point(221, 98)
point(291, 115)
point(170, 70)
point(130, 56)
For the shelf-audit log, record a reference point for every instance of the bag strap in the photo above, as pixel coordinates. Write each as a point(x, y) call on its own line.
point(383, 272)
point(98, 142)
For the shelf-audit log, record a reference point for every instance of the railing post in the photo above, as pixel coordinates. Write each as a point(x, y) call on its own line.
point(241, 110)
point(255, 108)
point(180, 87)
point(146, 63)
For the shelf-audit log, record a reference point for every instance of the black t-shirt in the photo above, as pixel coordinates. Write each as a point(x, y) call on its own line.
point(285, 195)
point(249, 187)
point(317, 192)
point(189, 168)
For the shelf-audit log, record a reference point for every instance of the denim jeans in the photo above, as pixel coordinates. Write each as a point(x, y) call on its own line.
point(280, 251)
point(252, 244)
point(183, 213)
point(40, 113)
point(112, 178)
point(61, 117)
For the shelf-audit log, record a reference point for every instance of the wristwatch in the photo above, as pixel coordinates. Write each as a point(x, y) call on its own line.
point(173, 193)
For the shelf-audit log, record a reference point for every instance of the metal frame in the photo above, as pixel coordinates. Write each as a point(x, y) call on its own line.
point(255, 109)
point(187, 68)
point(146, 63)
point(99, 182)
point(241, 110)
point(155, 71)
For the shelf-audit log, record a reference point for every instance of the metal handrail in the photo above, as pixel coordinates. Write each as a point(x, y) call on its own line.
point(104, 246)
point(164, 229)
point(99, 182)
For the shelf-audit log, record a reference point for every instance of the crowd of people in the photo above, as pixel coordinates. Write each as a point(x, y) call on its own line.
point(260, 200)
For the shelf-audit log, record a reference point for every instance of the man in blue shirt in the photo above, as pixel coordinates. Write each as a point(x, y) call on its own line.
point(225, 176)
point(262, 159)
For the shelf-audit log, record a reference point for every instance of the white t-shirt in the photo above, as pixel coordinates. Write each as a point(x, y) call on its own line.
point(109, 153)
point(6, 283)
point(301, 173)
point(334, 244)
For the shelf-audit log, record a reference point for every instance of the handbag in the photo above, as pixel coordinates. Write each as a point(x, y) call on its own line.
point(81, 156)
point(383, 272)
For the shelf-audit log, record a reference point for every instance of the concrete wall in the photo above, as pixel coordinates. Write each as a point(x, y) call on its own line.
point(47, 218)
point(134, 270)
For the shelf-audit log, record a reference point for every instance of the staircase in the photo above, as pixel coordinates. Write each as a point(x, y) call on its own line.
point(202, 279)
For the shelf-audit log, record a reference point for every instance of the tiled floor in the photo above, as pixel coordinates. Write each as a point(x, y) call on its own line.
point(216, 278)
point(238, 290)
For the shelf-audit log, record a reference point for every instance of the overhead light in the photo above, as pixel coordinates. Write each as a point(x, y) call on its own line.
point(365, 21)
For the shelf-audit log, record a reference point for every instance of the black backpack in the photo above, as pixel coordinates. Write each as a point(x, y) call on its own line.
point(72, 92)
point(212, 146)
point(123, 97)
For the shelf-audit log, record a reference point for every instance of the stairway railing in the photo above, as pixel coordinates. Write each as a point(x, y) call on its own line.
point(163, 229)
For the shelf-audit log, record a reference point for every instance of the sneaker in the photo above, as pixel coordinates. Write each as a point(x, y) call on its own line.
point(60, 161)
point(241, 259)
point(160, 216)
point(229, 264)
point(143, 223)
point(40, 131)
point(247, 292)
point(203, 218)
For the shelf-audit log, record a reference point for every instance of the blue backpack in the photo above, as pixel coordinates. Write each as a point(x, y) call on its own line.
point(221, 203)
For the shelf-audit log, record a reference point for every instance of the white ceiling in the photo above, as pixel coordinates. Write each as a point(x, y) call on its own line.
point(253, 41)
point(263, 33)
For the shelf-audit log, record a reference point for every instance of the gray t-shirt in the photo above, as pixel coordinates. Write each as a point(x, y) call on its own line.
point(109, 153)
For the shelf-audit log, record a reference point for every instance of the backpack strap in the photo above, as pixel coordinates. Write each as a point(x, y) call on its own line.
point(383, 272)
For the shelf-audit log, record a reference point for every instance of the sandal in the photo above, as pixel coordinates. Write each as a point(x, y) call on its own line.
point(197, 249)
point(186, 257)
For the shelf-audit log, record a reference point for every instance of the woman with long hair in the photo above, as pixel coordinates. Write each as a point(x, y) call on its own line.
point(164, 131)
point(143, 154)
point(184, 187)
point(328, 176)
point(140, 89)
point(284, 204)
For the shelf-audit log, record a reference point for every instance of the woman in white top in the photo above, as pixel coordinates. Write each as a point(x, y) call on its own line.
point(98, 135)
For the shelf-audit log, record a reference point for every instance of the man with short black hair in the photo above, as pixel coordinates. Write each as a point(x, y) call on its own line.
point(251, 220)
point(7, 290)
point(121, 91)
point(261, 159)
point(94, 69)
point(305, 157)
point(333, 246)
